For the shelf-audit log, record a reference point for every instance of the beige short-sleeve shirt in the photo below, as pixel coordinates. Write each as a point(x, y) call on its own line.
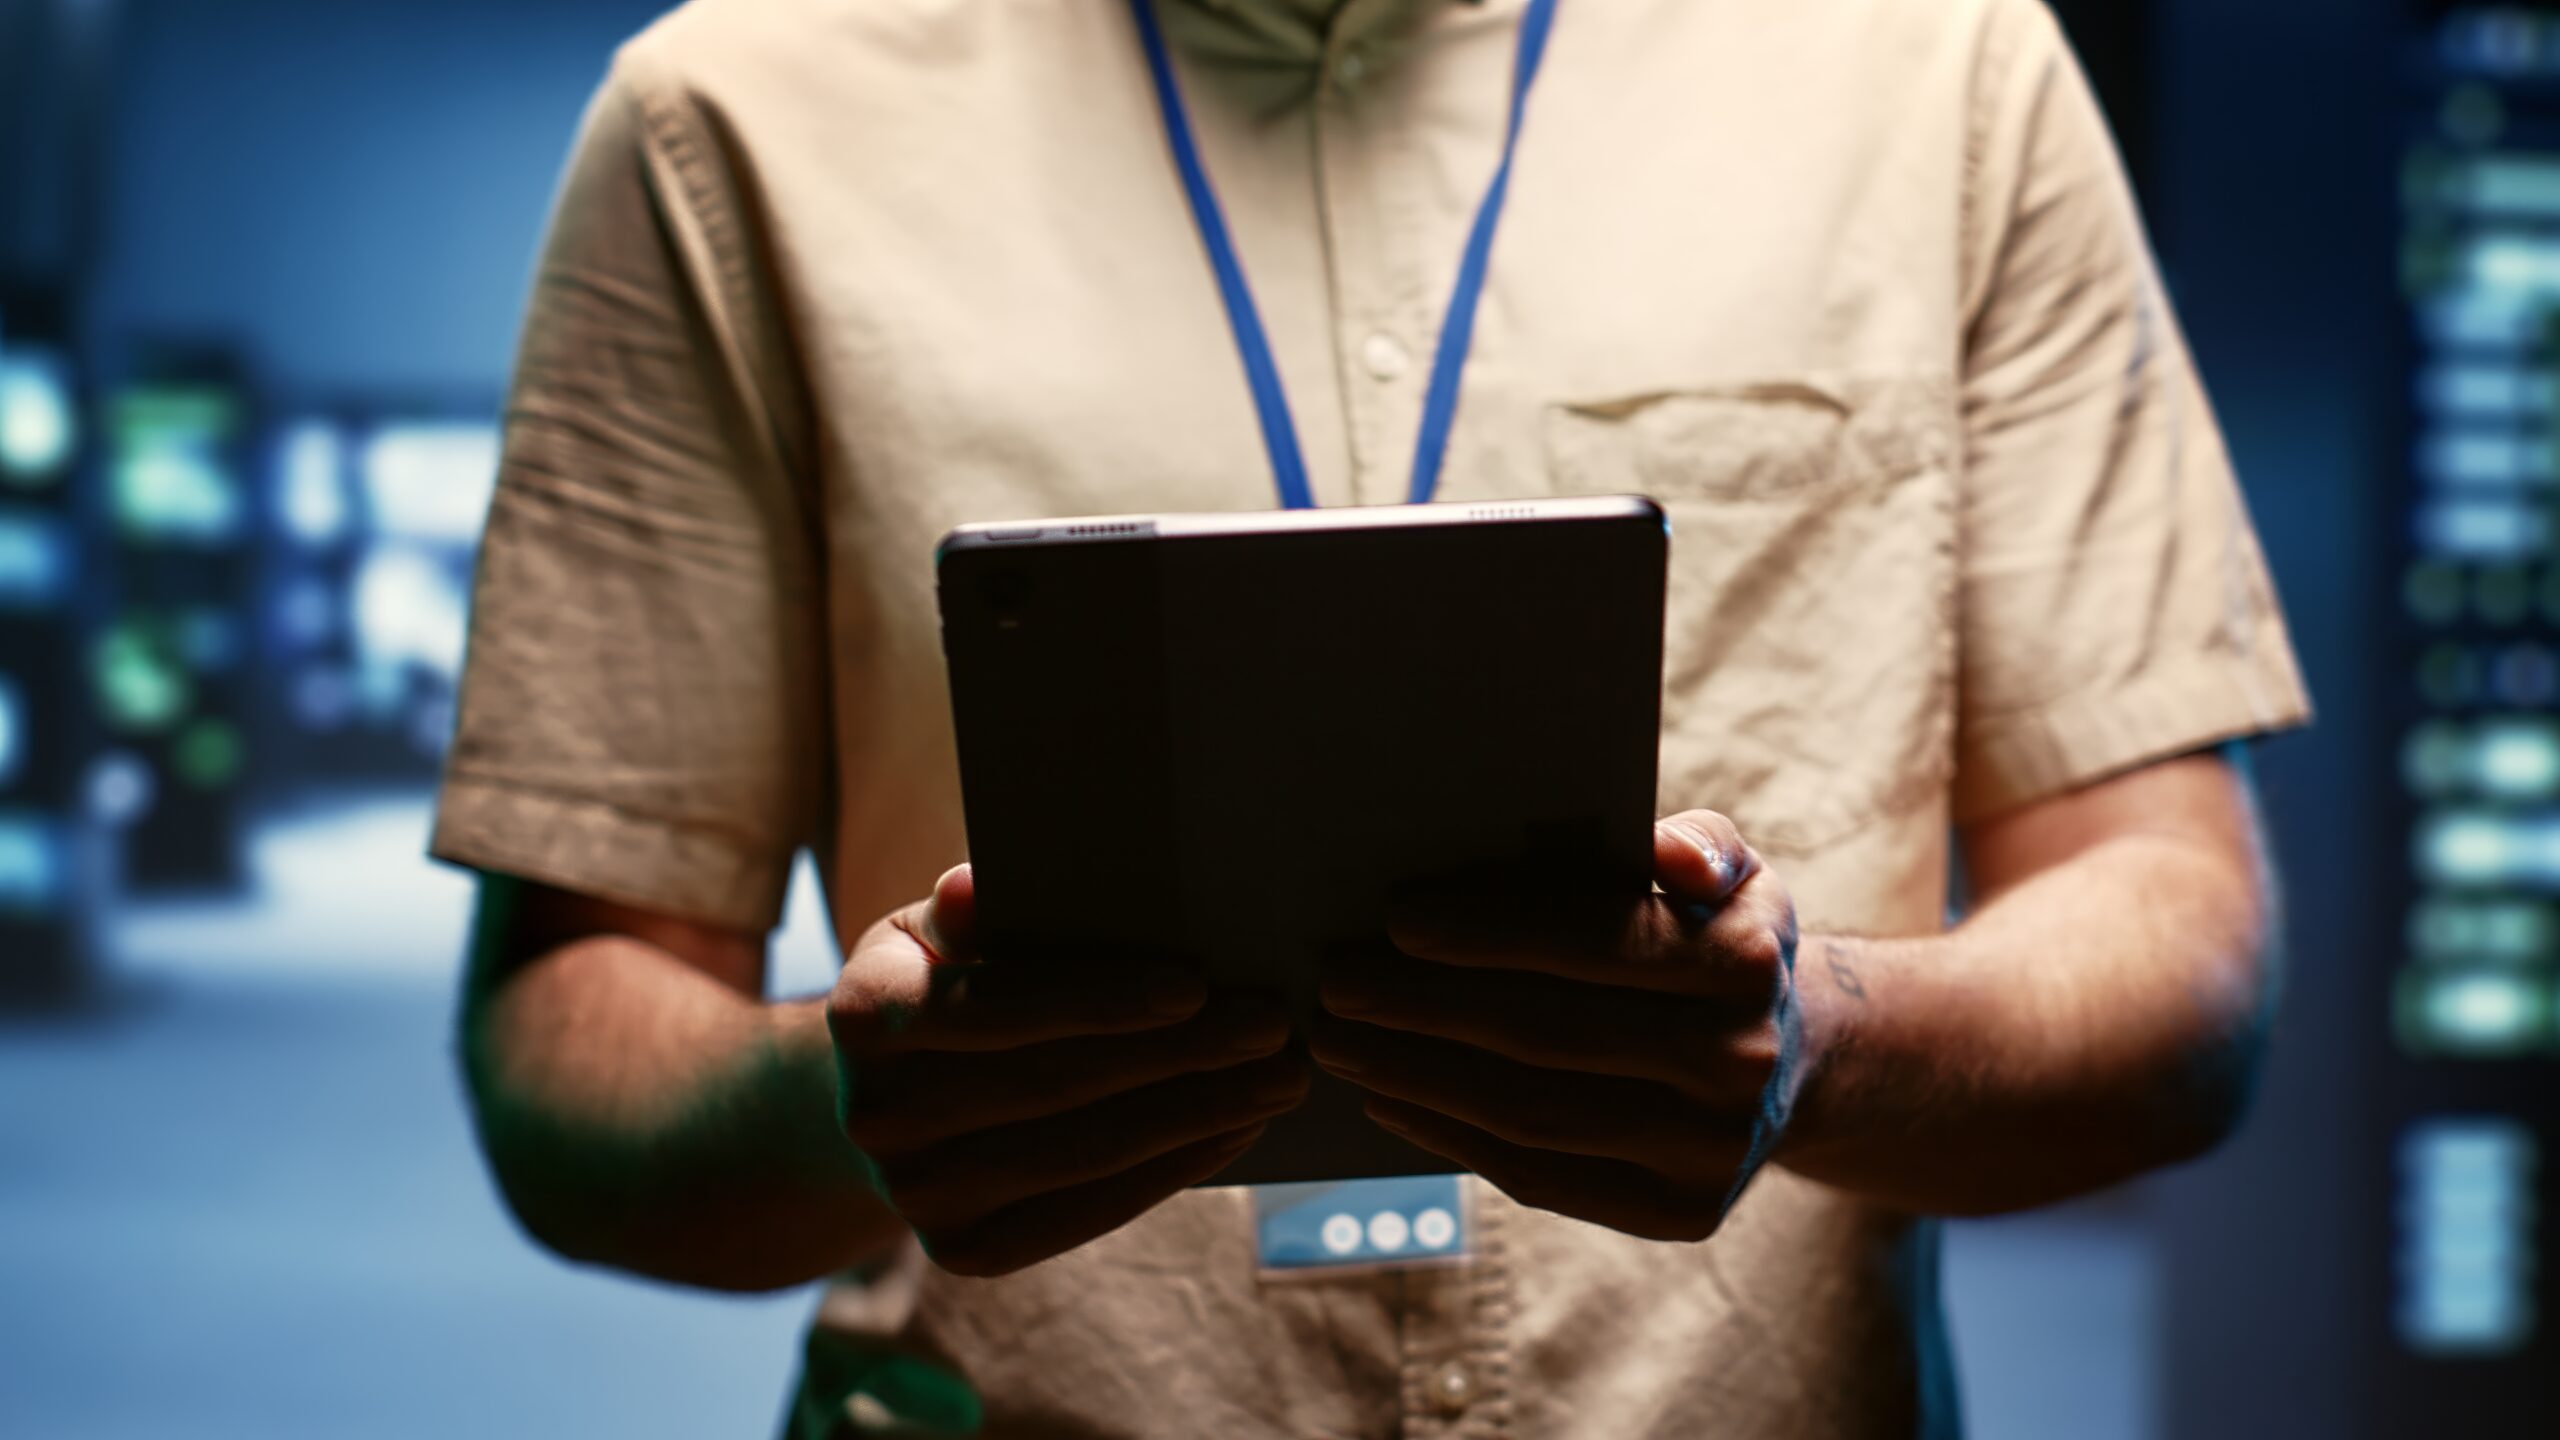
point(1854, 287)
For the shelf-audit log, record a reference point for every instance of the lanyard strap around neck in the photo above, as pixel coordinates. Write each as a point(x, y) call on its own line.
point(1457, 326)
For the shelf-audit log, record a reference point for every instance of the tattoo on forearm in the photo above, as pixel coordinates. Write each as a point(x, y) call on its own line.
point(1843, 974)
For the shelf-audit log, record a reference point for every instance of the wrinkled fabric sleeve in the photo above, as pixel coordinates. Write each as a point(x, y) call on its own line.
point(2114, 605)
point(640, 715)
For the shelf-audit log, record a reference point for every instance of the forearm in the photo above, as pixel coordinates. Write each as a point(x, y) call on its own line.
point(2098, 1019)
point(643, 1115)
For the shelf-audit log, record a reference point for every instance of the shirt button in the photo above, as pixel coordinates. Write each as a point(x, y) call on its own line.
point(1348, 70)
point(1452, 1387)
point(1384, 356)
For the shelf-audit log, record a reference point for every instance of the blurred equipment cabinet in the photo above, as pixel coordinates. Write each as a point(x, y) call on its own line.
point(47, 887)
point(170, 663)
point(375, 510)
point(2468, 1018)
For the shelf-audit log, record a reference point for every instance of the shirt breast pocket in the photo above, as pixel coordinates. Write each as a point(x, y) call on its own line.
point(1808, 648)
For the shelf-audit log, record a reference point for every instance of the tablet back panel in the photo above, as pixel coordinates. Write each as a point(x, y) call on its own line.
point(1229, 749)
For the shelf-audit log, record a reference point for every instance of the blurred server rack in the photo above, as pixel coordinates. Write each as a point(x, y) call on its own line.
point(375, 507)
point(2461, 1201)
point(49, 878)
point(170, 664)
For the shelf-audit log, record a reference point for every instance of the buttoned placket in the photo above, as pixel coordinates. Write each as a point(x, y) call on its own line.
point(1453, 1325)
point(1370, 242)
point(1453, 1330)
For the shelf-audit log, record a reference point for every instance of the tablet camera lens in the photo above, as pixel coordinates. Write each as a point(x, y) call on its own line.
point(1007, 593)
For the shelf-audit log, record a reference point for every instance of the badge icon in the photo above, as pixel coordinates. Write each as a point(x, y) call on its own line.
point(1434, 1228)
point(1387, 1231)
point(1341, 1234)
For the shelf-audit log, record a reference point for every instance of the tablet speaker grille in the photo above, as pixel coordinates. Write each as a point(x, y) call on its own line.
point(1118, 527)
point(1501, 512)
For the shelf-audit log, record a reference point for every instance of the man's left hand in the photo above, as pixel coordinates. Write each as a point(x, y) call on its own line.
point(1627, 1063)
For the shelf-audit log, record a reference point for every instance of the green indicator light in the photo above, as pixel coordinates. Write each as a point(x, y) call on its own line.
point(140, 687)
point(2504, 595)
point(208, 755)
point(2448, 675)
point(2433, 592)
point(2473, 1014)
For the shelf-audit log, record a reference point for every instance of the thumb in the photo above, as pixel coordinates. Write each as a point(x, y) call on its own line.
point(949, 923)
point(1699, 856)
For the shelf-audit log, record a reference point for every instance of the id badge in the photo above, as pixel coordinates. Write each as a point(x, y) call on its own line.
point(1331, 1226)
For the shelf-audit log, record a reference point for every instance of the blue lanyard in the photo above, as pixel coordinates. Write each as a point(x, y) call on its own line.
point(1457, 328)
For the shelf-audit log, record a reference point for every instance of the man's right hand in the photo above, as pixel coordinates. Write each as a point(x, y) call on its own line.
point(1012, 1113)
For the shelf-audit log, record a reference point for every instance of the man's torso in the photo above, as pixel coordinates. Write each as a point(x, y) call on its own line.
point(1729, 277)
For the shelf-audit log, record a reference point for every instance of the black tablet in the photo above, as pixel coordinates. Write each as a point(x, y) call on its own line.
point(1226, 740)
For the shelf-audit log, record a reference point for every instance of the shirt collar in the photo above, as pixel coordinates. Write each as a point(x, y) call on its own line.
point(1297, 36)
